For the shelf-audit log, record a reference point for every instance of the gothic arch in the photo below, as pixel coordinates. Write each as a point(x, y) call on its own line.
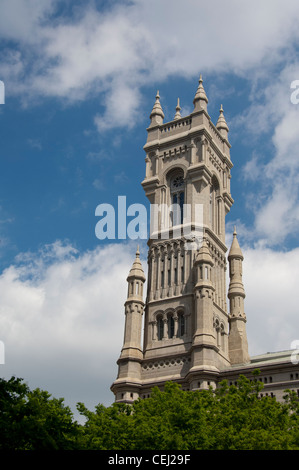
point(215, 181)
point(157, 314)
point(171, 171)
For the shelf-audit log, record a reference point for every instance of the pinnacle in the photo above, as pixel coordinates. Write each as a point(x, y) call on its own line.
point(235, 250)
point(157, 109)
point(137, 270)
point(221, 123)
point(200, 93)
point(178, 109)
point(204, 254)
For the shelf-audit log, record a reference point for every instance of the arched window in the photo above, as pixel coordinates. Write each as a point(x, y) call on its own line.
point(177, 191)
point(215, 206)
point(160, 328)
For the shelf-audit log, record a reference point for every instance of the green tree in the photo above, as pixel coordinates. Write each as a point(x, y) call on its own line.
point(33, 420)
point(232, 417)
point(245, 421)
point(107, 428)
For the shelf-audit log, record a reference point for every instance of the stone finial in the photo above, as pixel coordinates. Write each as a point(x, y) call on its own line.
point(200, 99)
point(235, 250)
point(157, 114)
point(178, 109)
point(222, 124)
point(204, 254)
point(137, 270)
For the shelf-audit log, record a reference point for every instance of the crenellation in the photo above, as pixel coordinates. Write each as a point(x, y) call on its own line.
point(175, 127)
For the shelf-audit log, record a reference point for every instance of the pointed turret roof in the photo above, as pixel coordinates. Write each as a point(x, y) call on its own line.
point(235, 250)
point(200, 96)
point(178, 109)
point(204, 254)
point(157, 108)
point(137, 270)
point(221, 123)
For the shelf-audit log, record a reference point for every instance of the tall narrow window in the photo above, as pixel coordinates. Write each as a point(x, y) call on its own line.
point(181, 325)
point(169, 277)
point(177, 188)
point(215, 206)
point(211, 207)
point(170, 326)
point(160, 328)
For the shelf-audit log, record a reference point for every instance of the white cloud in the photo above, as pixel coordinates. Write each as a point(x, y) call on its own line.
point(272, 298)
point(20, 21)
point(276, 198)
point(118, 50)
point(62, 319)
point(121, 106)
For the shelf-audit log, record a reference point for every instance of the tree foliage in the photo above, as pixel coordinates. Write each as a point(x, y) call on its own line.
point(33, 420)
point(230, 418)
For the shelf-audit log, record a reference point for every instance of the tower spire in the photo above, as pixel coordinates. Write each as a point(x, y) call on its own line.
point(200, 99)
point(235, 250)
point(178, 109)
point(222, 124)
point(157, 114)
point(136, 272)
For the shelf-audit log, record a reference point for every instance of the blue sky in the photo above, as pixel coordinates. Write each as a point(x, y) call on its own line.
point(80, 82)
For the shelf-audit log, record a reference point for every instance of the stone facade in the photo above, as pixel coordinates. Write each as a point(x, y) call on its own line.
point(189, 334)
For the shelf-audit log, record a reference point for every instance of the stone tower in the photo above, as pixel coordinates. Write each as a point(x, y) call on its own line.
point(189, 336)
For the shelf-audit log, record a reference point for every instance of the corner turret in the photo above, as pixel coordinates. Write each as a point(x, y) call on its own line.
point(126, 387)
point(237, 340)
